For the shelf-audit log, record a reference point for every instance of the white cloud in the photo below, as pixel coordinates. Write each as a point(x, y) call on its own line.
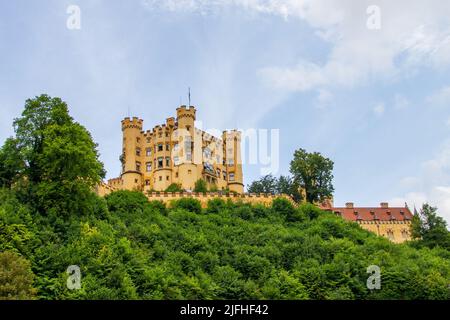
point(400, 102)
point(432, 184)
point(440, 98)
point(410, 36)
point(378, 110)
point(324, 99)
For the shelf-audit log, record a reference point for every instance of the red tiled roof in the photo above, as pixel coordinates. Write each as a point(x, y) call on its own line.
point(373, 214)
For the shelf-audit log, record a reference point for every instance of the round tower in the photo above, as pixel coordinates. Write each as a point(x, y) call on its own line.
point(235, 176)
point(132, 163)
point(188, 171)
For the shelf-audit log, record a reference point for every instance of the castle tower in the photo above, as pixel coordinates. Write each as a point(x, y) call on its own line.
point(234, 161)
point(187, 139)
point(132, 153)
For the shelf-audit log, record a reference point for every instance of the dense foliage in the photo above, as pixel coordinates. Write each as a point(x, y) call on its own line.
point(129, 248)
point(272, 185)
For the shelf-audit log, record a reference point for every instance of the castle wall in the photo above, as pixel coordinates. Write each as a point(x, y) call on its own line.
point(396, 231)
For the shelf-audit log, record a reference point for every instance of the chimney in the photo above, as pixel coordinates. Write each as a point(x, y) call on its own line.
point(384, 205)
point(349, 205)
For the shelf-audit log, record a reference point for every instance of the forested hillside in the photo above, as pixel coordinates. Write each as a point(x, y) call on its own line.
point(129, 248)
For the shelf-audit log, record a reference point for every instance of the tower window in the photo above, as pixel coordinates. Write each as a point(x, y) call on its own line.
point(147, 182)
point(167, 147)
point(176, 160)
point(138, 152)
point(160, 178)
point(189, 171)
point(224, 175)
point(231, 176)
point(176, 175)
point(167, 178)
point(138, 140)
point(149, 140)
point(160, 147)
point(167, 162)
point(138, 166)
point(149, 166)
point(148, 152)
point(160, 162)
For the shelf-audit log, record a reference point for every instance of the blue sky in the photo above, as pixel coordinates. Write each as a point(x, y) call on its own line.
point(374, 101)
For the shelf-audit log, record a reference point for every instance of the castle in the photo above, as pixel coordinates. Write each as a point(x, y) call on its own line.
point(393, 223)
point(178, 153)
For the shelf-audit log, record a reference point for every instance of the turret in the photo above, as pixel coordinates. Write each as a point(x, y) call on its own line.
point(132, 153)
point(233, 162)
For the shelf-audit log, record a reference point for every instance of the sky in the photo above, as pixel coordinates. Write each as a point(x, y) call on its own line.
point(366, 83)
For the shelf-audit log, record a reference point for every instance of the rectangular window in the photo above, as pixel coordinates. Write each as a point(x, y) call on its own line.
point(224, 175)
point(167, 178)
point(167, 162)
point(148, 152)
point(149, 166)
point(160, 178)
point(176, 160)
point(138, 152)
point(167, 147)
point(231, 176)
point(160, 147)
point(230, 162)
point(160, 162)
point(147, 182)
point(149, 140)
point(138, 166)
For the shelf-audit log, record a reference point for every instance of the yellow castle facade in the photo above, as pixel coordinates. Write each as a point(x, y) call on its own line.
point(177, 152)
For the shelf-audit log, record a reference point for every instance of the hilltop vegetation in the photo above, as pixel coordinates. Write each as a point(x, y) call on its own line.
point(130, 248)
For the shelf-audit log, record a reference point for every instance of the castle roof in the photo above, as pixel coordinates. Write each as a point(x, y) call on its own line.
point(383, 213)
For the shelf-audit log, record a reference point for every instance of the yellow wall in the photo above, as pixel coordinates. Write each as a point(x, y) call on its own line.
point(396, 231)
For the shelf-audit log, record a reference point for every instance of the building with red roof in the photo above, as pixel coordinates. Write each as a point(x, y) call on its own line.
point(393, 223)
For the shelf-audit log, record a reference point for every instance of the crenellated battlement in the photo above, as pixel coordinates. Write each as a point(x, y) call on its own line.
point(253, 198)
point(132, 123)
point(184, 112)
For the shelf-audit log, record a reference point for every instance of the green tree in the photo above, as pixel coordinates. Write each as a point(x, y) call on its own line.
point(16, 277)
point(314, 173)
point(267, 184)
point(429, 228)
point(11, 163)
point(287, 185)
point(60, 159)
point(200, 186)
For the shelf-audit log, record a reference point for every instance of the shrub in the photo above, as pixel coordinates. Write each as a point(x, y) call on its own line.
point(189, 204)
point(16, 277)
point(200, 186)
point(284, 207)
point(215, 205)
point(126, 201)
point(174, 187)
point(309, 210)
